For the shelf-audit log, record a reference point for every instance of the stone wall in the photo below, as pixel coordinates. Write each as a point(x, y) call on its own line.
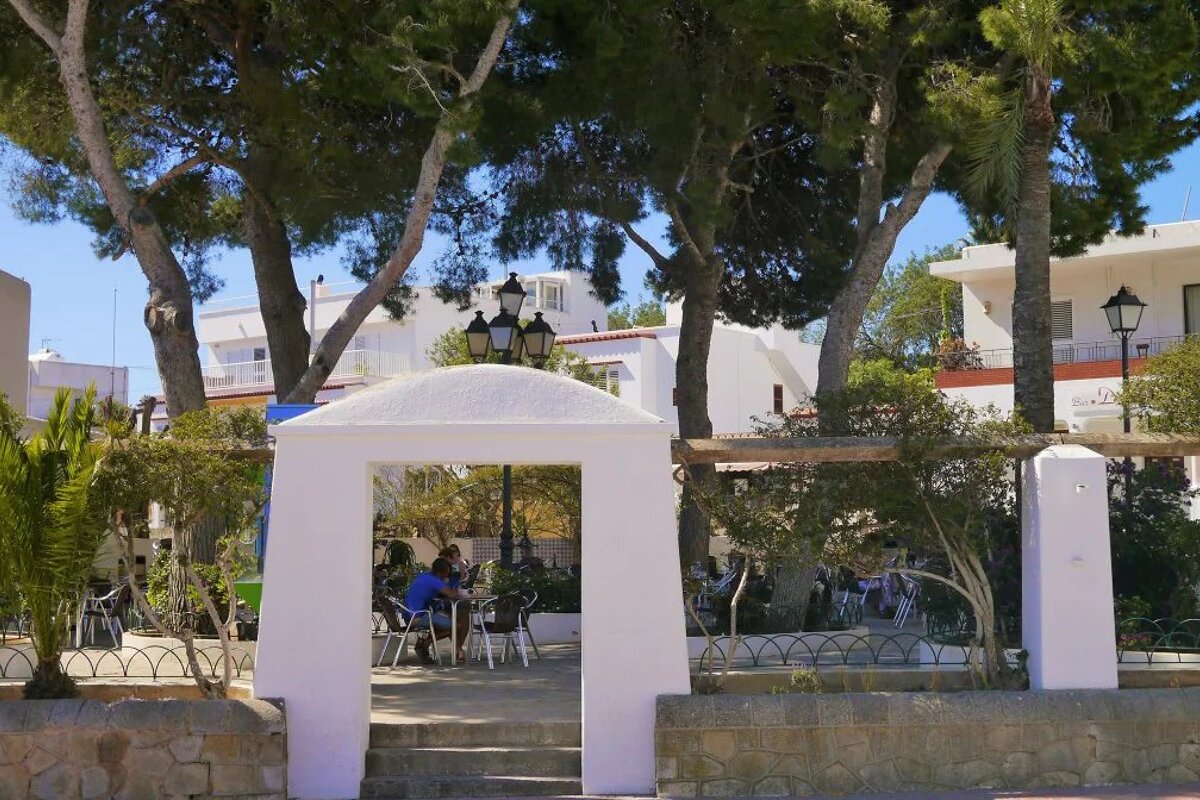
point(802, 744)
point(85, 749)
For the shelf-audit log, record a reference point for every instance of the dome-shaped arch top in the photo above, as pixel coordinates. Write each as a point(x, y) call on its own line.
point(484, 393)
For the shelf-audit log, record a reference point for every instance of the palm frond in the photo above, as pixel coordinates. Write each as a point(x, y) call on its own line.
point(993, 151)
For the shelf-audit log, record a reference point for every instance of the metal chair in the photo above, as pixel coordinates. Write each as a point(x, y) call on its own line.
point(908, 599)
point(107, 609)
point(508, 620)
point(402, 625)
point(529, 597)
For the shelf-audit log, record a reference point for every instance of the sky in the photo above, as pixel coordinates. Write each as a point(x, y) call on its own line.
point(73, 291)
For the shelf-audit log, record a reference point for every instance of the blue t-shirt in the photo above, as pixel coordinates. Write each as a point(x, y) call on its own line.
point(422, 591)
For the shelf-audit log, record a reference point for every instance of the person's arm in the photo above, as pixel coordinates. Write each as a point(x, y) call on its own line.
point(446, 591)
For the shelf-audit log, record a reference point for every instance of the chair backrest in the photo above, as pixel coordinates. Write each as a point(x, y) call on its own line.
point(388, 608)
point(508, 612)
point(472, 576)
point(528, 598)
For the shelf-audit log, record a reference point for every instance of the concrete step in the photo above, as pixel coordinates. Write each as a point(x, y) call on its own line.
point(552, 762)
point(477, 734)
point(432, 788)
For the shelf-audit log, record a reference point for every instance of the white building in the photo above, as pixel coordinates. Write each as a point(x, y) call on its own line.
point(49, 372)
point(14, 339)
point(236, 361)
point(751, 373)
point(1162, 267)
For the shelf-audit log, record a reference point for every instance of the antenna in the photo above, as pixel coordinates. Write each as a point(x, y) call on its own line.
point(112, 372)
point(1187, 198)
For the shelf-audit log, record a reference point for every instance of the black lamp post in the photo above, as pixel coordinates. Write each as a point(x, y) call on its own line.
point(504, 335)
point(1124, 312)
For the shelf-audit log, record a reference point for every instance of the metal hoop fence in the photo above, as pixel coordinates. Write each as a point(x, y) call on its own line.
point(152, 662)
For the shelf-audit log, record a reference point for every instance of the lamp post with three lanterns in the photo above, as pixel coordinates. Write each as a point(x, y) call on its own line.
point(505, 336)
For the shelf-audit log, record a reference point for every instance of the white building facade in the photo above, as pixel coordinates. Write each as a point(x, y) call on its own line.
point(751, 373)
point(237, 364)
point(1161, 266)
point(49, 372)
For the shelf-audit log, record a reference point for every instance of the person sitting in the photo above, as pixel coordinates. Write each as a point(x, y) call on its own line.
point(423, 592)
point(458, 565)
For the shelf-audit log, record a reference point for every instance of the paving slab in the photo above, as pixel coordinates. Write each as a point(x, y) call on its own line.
point(549, 690)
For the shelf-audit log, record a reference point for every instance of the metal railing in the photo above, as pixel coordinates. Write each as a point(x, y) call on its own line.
point(151, 663)
point(1074, 353)
point(352, 364)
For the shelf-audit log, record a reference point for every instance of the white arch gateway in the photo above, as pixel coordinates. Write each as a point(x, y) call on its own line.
point(314, 650)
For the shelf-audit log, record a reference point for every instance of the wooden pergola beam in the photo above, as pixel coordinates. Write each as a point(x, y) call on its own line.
point(843, 449)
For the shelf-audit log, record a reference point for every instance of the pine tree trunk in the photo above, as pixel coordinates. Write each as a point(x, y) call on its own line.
point(1033, 354)
point(198, 544)
point(793, 591)
point(879, 224)
point(279, 300)
point(168, 311)
point(702, 279)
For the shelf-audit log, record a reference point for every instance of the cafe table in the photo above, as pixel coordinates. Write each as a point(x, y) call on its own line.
point(472, 602)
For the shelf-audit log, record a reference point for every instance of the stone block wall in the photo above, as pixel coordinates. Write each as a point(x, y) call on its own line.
point(133, 749)
point(803, 744)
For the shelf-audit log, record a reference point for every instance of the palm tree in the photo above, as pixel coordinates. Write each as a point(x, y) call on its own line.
point(1011, 155)
point(50, 529)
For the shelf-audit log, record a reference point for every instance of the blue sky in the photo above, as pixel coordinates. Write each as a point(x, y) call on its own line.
point(73, 290)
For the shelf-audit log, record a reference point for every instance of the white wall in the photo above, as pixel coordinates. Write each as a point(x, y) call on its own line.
point(47, 376)
point(744, 366)
point(229, 334)
point(1156, 276)
point(14, 339)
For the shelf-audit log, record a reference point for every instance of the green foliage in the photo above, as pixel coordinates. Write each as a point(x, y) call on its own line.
point(647, 314)
point(912, 312)
point(158, 588)
point(806, 680)
point(1155, 545)
point(557, 592)
point(1125, 88)
point(51, 527)
point(1164, 394)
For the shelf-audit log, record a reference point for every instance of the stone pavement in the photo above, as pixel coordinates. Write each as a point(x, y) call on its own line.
point(1090, 793)
point(548, 691)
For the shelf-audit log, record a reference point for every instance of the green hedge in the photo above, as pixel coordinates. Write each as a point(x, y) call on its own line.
point(557, 592)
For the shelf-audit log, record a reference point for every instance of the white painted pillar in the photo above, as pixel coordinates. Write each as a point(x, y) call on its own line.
point(634, 642)
point(1066, 571)
point(314, 650)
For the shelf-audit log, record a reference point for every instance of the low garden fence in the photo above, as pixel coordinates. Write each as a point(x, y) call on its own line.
point(151, 662)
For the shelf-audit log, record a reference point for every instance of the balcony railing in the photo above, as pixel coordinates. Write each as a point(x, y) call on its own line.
point(352, 364)
point(1076, 353)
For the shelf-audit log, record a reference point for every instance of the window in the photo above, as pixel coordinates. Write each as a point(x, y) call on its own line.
point(608, 378)
point(777, 403)
point(360, 343)
point(1061, 324)
point(260, 354)
point(552, 296)
point(1191, 309)
point(531, 293)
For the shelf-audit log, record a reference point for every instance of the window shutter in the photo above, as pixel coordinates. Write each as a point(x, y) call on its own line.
point(777, 403)
point(1061, 326)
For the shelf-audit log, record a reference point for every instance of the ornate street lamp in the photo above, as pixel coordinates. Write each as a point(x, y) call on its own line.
point(479, 338)
point(1124, 312)
point(538, 338)
point(504, 335)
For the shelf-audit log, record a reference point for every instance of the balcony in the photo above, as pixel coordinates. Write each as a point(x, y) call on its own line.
point(354, 364)
point(1077, 353)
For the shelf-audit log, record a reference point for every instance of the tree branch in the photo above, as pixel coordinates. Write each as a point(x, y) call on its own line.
point(433, 162)
point(38, 25)
point(658, 258)
point(180, 169)
point(685, 235)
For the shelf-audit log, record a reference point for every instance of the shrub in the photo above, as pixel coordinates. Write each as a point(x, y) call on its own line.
point(557, 592)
